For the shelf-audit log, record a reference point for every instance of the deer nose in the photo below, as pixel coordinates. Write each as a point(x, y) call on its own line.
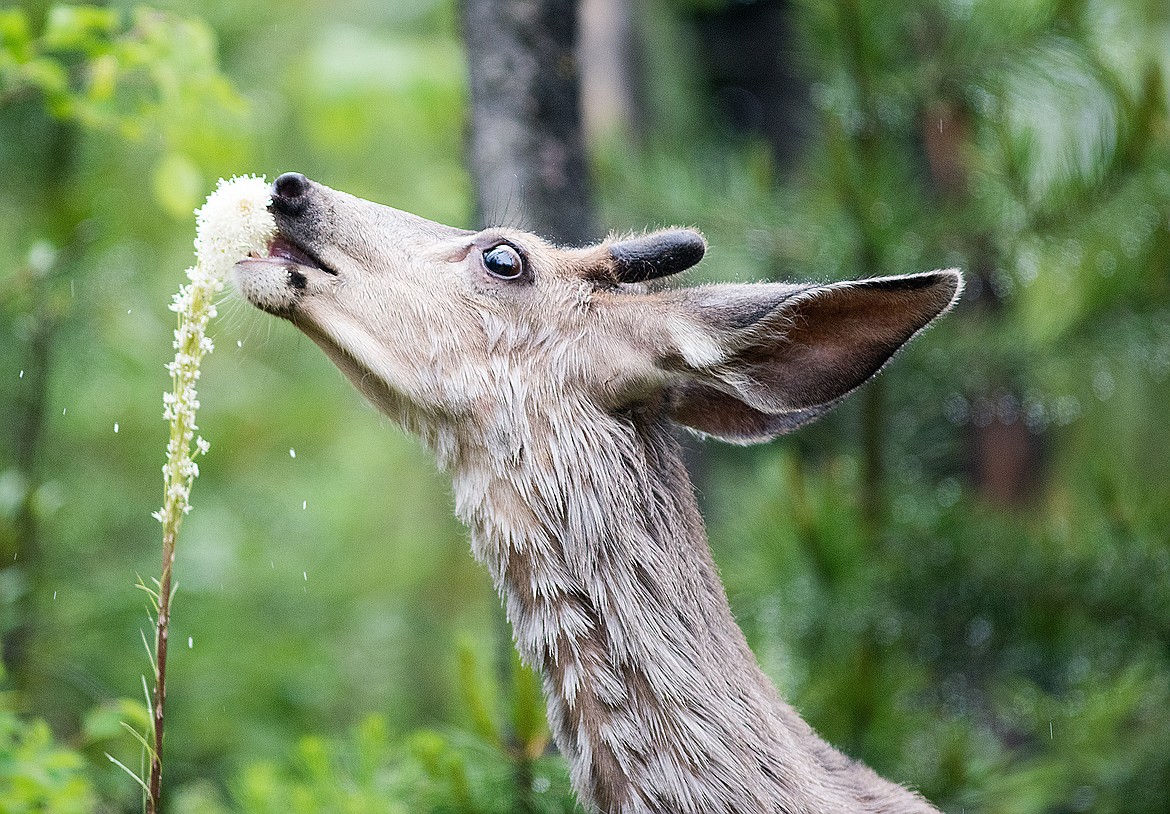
point(289, 191)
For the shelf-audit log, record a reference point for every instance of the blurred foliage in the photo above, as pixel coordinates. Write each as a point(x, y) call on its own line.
point(961, 577)
point(36, 774)
point(154, 75)
point(39, 774)
point(500, 769)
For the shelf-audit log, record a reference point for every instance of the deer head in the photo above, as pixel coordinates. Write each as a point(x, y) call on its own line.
point(449, 330)
point(547, 380)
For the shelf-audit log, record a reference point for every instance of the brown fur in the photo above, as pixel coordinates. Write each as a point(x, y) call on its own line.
point(553, 399)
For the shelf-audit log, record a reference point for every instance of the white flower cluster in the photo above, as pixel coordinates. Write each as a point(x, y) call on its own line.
point(233, 223)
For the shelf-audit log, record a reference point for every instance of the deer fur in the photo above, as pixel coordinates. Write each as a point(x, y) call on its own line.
point(554, 397)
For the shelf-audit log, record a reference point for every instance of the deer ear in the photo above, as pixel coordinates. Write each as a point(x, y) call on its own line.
point(760, 360)
point(658, 254)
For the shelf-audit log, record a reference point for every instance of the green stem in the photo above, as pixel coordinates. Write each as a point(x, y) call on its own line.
point(174, 507)
point(162, 633)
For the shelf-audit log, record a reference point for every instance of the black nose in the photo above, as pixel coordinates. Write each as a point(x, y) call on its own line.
point(288, 190)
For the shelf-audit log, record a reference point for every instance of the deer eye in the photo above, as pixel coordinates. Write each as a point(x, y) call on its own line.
point(504, 262)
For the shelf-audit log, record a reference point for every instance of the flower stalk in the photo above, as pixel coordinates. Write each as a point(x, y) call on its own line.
point(233, 223)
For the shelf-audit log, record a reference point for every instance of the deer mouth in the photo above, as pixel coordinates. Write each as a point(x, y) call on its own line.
point(279, 279)
point(284, 249)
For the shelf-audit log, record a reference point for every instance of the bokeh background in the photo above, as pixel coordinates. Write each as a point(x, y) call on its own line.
point(961, 577)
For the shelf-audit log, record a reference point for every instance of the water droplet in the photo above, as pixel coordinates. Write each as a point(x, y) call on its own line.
point(54, 596)
point(304, 504)
point(957, 409)
point(129, 310)
point(239, 343)
point(306, 575)
point(115, 426)
point(978, 632)
point(1104, 385)
point(1065, 410)
point(64, 410)
point(190, 642)
point(22, 374)
point(948, 492)
point(292, 453)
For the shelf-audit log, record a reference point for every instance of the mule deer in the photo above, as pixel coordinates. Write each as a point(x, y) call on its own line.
point(550, 383)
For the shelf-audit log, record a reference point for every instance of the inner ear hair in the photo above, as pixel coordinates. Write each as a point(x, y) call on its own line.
point(788, 354)
point(658, 254)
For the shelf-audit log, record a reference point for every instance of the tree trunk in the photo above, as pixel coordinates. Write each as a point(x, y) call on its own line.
point(526, 149)
point(45, 311)
point(609, 71)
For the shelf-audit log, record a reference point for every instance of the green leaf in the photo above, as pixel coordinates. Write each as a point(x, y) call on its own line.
point(177, 182)
point(103, 78)
point(48, 74)
point(474, 696)
point(313, 753)
point(15, 40)
point(133, 774)
point(373, 745)
point(428, 747)
point(110, 720)
point(528, 714)
point(461, 795)
point(85, 28)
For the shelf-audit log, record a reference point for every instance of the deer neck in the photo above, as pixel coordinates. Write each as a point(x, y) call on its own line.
point(593, 538)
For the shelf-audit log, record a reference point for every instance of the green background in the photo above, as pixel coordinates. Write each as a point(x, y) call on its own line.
point(961, 577)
